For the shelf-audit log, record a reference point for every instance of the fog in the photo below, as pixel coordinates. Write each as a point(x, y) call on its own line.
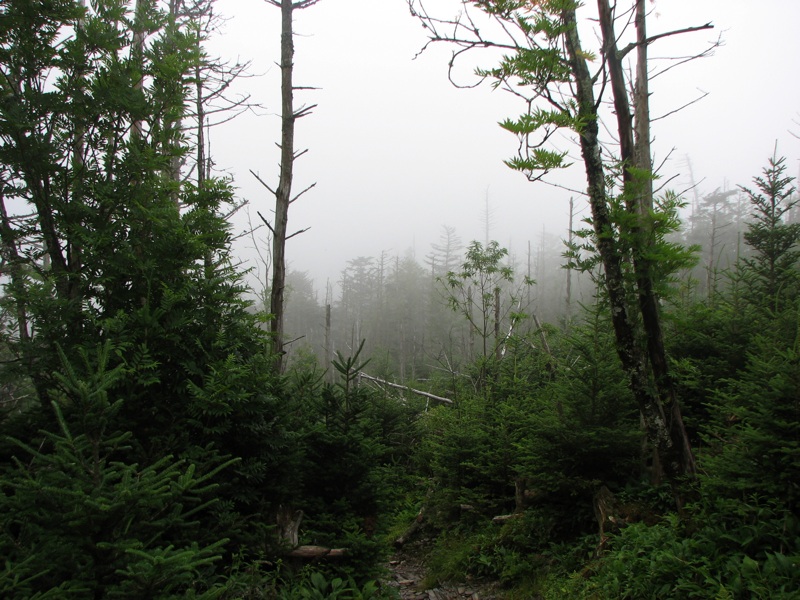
point(396, 151)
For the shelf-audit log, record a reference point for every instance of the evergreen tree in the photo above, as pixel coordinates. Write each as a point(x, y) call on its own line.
point(82, 517)
point(771, 273)
point(110, 249)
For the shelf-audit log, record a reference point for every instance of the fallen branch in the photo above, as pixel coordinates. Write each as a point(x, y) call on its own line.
point(412, 529)
point(503, 519)
point(406, 388)
point(317, 552)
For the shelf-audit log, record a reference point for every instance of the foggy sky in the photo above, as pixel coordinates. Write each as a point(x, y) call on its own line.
point(397, 151)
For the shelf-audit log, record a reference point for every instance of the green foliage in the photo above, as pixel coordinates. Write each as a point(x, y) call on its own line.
point(535, 67)
point(103, 231)
point(126, 317)
point(482, 292)
point(675, 559)
point(315, 586)
point(740, 539)
point(548, 433)
point(666, 258)
point(538, 160)
point(755, 437)
point(80, 516)
point(157, 444)
point(355, 447)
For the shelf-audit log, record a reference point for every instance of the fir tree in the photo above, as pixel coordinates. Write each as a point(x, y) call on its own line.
point(82, 518)
point(771, 273)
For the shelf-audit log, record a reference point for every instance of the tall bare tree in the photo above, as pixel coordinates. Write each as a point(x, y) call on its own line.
point(283, 193)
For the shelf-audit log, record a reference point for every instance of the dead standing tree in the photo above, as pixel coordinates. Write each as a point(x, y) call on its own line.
point(283, 193)
point(545, 65)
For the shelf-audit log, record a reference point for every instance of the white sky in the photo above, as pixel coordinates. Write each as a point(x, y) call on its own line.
point(397, 151)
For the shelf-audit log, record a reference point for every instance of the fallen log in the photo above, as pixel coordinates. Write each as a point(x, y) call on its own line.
point(412, 529)
point(288, 533)
point(406, 388)
point(317, 552)
point(503, 519)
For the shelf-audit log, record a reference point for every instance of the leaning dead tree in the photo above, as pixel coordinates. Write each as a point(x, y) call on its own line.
point(406, 388)
point(283, 192)
point(567, 87)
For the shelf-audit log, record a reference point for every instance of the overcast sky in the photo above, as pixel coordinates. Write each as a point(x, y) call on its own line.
point(397, 152)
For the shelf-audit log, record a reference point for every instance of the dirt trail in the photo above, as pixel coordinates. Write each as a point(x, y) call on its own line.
point(407, 574)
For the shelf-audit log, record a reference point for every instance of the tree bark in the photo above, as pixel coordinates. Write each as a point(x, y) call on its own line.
point(140, 11)
point(288, 521)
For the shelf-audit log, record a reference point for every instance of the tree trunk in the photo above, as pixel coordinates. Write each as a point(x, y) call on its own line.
point(140, 11)
point(676, 456)
point(284, 190)
point(631, 355)
point(497, 341)
point(15, 271)
point(568, 316)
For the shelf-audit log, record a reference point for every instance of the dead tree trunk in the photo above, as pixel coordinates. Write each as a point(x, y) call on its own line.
point(284, 189)
point(283, 193)
point(288, 521)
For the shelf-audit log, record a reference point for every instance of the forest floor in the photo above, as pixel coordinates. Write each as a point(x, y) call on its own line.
point(407, 574)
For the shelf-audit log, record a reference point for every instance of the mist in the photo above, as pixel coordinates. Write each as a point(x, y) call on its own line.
point(397, 151)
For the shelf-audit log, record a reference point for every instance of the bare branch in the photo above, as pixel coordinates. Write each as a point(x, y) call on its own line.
point(665, 184)
point(261, 181)
point(243, 109)
point(236, 208)
point(621, 54)
point(265, 222)
point(262, 260)
point(564, 187)
point(288, 237)
point(680, 60)
point(680, 108)
point(657, 169)
point(303, 192)
point(299, 114)
point(245, 233)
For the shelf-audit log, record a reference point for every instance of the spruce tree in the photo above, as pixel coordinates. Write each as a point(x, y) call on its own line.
point(771, 272)
point(81, 517)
